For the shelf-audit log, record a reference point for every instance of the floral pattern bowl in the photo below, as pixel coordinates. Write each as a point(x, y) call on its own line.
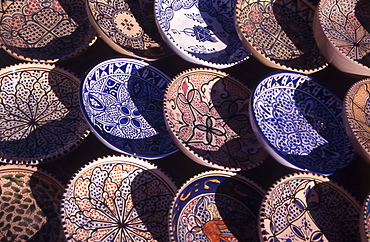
point(341, 30)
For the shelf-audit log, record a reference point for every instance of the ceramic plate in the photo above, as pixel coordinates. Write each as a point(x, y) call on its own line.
point(356, 116)
point(216, 206)
point(365, 220)
point(40, 116)
point(30, 204)
point(122, 100)
point(46, 30)
point(341, 29)
point(201, 32)
point(299, 122)
point(206, 112)
point(308, 207)
point(279, 34)
point(118, 198)
point(128, 27)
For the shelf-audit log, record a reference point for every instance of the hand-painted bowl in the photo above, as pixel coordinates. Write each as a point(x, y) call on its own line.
point(341, 30)
point(122, 101)
point(279, 34)
point(356, 113)
point(308, 207)
point(216, 206)
point(30, 204)
point(206, 113)
point(40, 115)
point(46, 30)
point(299, 122)
point(118, 198)
point(128, 27)
point(201, 32)
point(365, 220)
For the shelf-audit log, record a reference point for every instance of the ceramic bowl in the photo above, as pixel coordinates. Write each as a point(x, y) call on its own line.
point(216, 206)
point(365, 220)
point(299, 122)
point(279, 34)
point(341, 30)
point(206, 112)
point(122, 101)
point(201, 32)
point(46, 30)
point(30, 204)
point(128, 27)
point(40, 115)
point(308, 207)
point(118, 198)
point(356, 116)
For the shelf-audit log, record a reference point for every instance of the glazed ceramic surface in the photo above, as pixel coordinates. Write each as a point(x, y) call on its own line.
point(207, 113)
point(202, 32)
point(40, 116)
point(279, 34)
point(356, 116)
point(30, 204)
point(309, 207)
point(216, 206)
point(365, 220)
point(128, 27)
point(300, 124)
point(49, 30)
point(122, 100)
point(342, 33)
point(118, 198)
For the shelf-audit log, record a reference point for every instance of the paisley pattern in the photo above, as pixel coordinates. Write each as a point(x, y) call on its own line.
point(129, 24)
point(307, 207)
point(207, 208)
point(123, 102)
point(30, 205)
point(301, 121)
point(118, 199)
point(207, 112)
point(281, 31)
point(346, 25)
point(40, 117)
point(209, 36)
point(46, 30)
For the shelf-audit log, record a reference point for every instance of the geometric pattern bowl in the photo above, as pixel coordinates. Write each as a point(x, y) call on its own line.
point(206, 112)
point(128, 27)
point(309, 207)
point(201, 32)
point(279, 34)
point(118, 198)
point(299, 122)
point(40, 115)
point(46, 30)
point(356, 107)
point(122, 101)
point(342, 32)
point(365, 219)
point(30, 205)
point(216, 206)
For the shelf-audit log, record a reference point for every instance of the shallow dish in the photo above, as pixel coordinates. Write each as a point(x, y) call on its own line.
point(206, 113)
point(40, 115)
point(46, 30)
point(201, 32)
point(279, 34)
point(118, 198)
point(356, 117)
point(365, 220)
point(299, 122)
point(216, 206)
point(308, 207)
point(341, 30)
point(122, 101)
point(30, 204)
point(129, 27)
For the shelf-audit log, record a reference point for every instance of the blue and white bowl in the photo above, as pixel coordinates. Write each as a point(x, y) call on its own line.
point(122, 101)
point(299, 123)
